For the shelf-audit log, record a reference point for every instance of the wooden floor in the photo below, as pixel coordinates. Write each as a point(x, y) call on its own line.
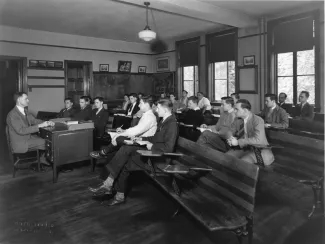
point(69, 215)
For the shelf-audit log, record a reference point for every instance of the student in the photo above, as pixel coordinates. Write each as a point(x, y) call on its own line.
point(248, 129)
point(176, 104)
point(273, 114)
point(85, 109)
point(22, 127)
point(204, 103)
point(304, 110)
point(69, 111)
point(215, 136)
point(126, 102)
point(146, 127)
point(99, 116)
point(132, 109)
point(127, 157)
point(140, 95)
point(184, 100)
point(235, 96)
point(282, 103)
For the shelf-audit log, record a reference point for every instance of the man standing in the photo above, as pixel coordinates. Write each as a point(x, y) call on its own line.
point(22, 125)
point(248, 129)
point(68, 111)
point(304, 110)
point(215, 135)
point(127, 158)
point(274, 115)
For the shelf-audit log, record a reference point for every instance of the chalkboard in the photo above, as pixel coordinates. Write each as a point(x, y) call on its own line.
point(113, 86)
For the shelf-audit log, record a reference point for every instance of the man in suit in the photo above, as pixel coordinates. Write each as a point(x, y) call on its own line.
point(127, 158)
point(304, 110)
point(99, 116)
point(248, 129)
point(69, 111)
point(274, 115)
point(235, 96)
point(215, 135)
point(85, 109)
point(282, 103)
point(132, 109)
point(22, 125)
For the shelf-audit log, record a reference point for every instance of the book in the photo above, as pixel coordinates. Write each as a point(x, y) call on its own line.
point(72, 122)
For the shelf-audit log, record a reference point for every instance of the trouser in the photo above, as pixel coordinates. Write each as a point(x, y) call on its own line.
point(119, 142)
point(36, 142)
point(214, 141)
point(249, 156)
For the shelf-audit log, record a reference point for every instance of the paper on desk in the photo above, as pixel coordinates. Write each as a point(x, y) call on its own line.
point(120, 115)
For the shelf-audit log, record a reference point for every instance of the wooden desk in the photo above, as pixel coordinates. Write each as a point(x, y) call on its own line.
point(65, 146)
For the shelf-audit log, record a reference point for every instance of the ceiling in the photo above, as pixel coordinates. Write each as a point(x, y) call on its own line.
point(123, 19)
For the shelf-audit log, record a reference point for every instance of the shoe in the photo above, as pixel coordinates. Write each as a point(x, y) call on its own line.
point(66, 170)
point(97, 155)
point(114, 202)
point(100, 189)
point(102, 197)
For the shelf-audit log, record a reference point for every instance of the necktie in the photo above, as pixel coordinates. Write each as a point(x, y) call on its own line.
point(26, 116)
point(241, 131)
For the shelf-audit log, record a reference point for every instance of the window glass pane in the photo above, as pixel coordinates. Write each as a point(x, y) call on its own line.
point(306, 62)
point(231, 77)
point(220, 70)
point(285, 84)
point(189, 87)
point(285, 64)
point(220, 89)
point(307, 83)
point(189, 73)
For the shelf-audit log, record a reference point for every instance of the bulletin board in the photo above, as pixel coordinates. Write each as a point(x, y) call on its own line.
point(247, 81)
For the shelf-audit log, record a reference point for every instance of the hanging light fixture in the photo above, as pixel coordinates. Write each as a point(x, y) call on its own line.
point(147, 34)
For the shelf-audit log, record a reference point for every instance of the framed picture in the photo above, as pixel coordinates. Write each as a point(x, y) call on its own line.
point(104, 67)
point(247, 80)
point(162, 64)
point(249, 60)
point(50, 64)
point(33, 63)
point(42, 63)
point(142, 69)
point(124, 66)
point(58, 64)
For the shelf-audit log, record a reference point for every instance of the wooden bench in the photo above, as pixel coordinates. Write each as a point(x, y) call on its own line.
point(222, 199)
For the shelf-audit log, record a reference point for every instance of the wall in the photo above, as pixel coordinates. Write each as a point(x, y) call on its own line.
point(41, 45)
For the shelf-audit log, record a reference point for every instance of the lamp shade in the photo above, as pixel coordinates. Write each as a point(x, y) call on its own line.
point(147, 34)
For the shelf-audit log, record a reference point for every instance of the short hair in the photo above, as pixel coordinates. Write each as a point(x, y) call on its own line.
point(306, 93)
point(185, 91)
point(201, 93)
point(86, 98)
point(133, 95)
point(126, 95)
point(224, 98)
point(271, 96)
point(245, 104)
point(68, 99)
point(172, 94)
point(166, 103)
point(140, 93)
point(18, 95)
point(101, 99)
point(283, 94)
point(236, 95)
point(230, 101)
point(194, 99)
point(148, 99)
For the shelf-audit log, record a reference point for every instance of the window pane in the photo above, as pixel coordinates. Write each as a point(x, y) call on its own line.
point(220, 89)
point(231, 77)
point(285, 84)
point(306, 62)
point(189, 87)
point(307, 83)
point(285, 64)
point(220, 70)
point(189, 73)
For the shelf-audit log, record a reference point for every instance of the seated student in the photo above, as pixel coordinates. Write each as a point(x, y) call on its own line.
point(192, 119)
point(235, 96)
point(132, 109)
point(273, 114)
point(176, 104)
point(215, 136)
point(127, 158)
point(99, 116)
point(22, 126)
point(85, 109)
point(163, 95)
point(248, 129)
point(126, 102)
point(282, 103)
point(140, 95)
point(146, 127)
point(69, 111)
point(204, 103)
point(304, 110)
point(138, 115)
point(183, 101)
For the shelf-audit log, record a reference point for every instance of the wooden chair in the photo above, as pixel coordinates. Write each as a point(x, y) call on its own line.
point(18, 158)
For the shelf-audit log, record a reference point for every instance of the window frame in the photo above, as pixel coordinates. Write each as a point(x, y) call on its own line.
point(214, 79)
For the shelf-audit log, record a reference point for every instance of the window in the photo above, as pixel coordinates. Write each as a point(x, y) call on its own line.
point(190, 79)
point(296, 73)
point(224, 79)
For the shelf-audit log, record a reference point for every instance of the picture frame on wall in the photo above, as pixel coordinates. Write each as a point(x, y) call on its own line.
point(124, 66)
point(162, 64)
point(142, 69)
point(249, 60)
point(42, 63)
point(58, 64)
point(104, 67)
point(33, 63)
point(50, 64)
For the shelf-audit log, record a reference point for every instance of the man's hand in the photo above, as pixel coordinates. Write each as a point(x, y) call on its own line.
point(232, 141)
point(44, 124)
point(119, 130)
point(134, 138)
point(267, 125)
point(204, 126)
point(51, 123)
point(149, 145)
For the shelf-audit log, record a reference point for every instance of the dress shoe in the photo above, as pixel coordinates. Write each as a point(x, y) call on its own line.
point(97, 155)
point(114, 202)
point(101, 189)
point(67, 170)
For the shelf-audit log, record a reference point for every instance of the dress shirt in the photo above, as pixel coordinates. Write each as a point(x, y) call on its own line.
point(99, 110)
point(21, 109)
point(204, 102)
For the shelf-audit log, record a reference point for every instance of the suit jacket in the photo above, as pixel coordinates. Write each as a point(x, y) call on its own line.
point(255, 135)
point(306, 113)
point(100, 120)
point(287, 107)
point(84, 114)
point(135, 109)
point(64, 113)
point(20, 129)
point(164, 139)
point(278, 117)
